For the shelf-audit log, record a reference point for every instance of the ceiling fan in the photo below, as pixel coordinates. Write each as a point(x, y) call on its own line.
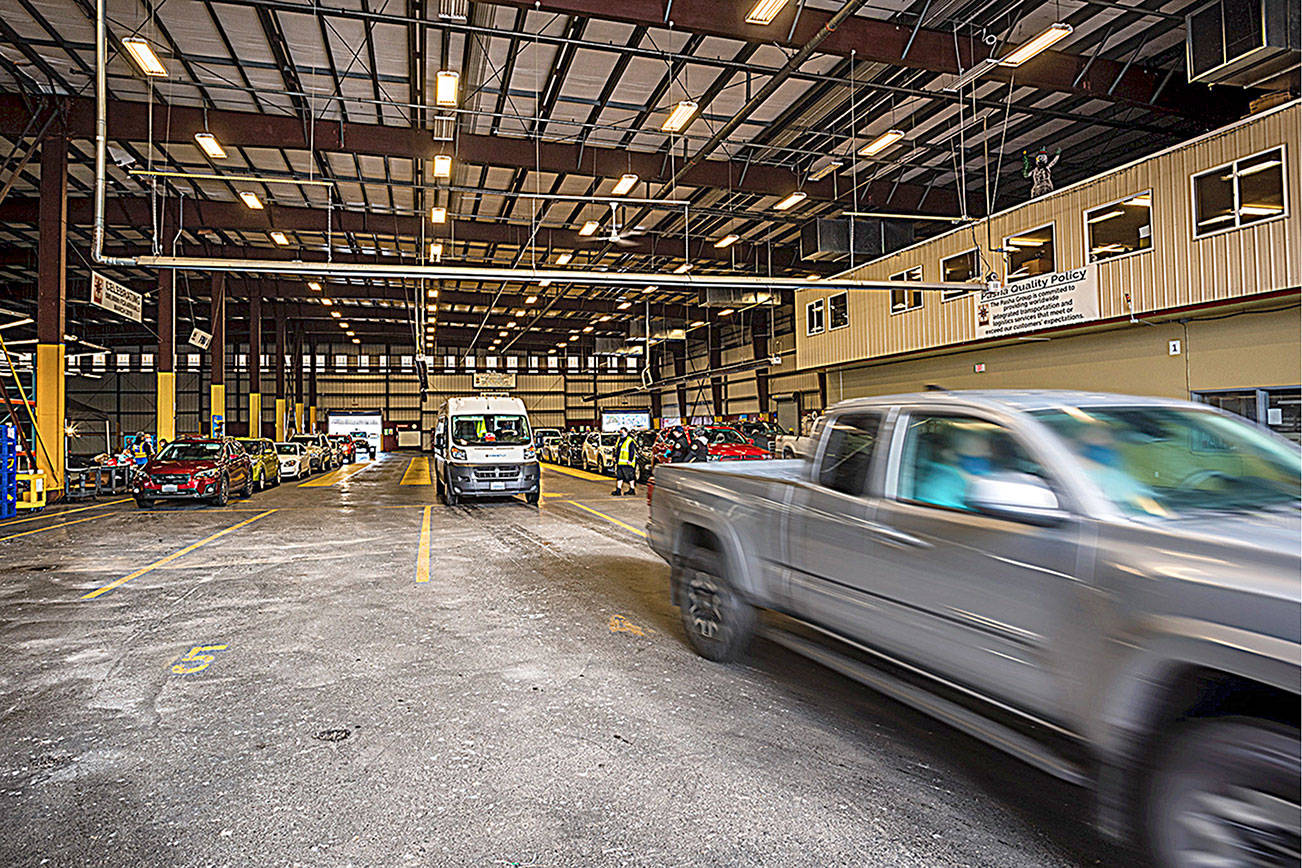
point(615, 236)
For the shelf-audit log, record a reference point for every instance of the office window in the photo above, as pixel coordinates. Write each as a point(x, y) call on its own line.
point(1238, 194)
point(963, 268)
point(838, 311)
point(902, 300)
point(1031, 253)
point(814, 317)
point(1120, 228)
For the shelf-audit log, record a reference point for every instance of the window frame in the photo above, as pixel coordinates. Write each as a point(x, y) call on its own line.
point(1152, 234)
point(828, 312)
point(945, 297)
point(882, 449)
point(1052, 226)
point(900, 278)
point(1282, 147)
point(820, 304)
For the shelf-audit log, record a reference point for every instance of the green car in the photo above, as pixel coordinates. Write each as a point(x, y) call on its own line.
point(266, 463)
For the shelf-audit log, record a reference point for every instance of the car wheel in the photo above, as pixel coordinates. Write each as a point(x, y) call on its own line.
point(532, 497)
point(144, 502)
point(247, 490)
point(1225, 792)
point(259, 482)
point(719, 623)
point(223, 494)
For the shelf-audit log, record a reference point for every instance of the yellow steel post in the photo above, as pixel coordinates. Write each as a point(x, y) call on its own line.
point(217, 412)
point(280, 419)
point(165, 412)
point(255, 414)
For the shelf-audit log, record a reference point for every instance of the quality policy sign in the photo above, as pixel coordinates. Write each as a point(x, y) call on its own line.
point(114, 296)
point(1040, 302)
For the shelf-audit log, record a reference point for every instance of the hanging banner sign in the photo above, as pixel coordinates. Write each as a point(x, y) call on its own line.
point(1040, 302)
point(115, 297)
point(200, 338)
point(493, 380)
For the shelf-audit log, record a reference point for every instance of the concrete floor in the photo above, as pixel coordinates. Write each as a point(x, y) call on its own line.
point(532, 702)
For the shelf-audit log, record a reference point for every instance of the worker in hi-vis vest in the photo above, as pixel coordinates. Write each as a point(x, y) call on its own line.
point(625, 463)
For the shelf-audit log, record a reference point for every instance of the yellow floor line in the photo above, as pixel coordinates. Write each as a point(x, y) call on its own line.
point(581, 474)
point(167, 560)
point(609, 518)
point(422, 551)
point(62, 513)
point(334, 476)
point(417, 472)
point(51, 527)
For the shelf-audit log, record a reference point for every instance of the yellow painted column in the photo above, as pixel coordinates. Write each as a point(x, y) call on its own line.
point(280, 420)
point(255, 414)
point(311, 417)
point(50, 411)
point(217, 411)
point(165, 407)
point(298, 417)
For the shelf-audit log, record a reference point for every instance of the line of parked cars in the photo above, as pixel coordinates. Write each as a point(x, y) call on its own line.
point(212, 468)
point(594, 451)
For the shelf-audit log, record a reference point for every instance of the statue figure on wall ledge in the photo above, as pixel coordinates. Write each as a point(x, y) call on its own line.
point(1040, 171)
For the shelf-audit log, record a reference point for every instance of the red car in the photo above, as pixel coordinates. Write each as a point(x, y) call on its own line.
point(195, 469)
point(725, 444)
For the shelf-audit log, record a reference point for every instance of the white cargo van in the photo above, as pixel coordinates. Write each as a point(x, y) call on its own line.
point(483, 446)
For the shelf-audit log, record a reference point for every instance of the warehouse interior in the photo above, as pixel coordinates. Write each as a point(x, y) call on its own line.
point(261, 223)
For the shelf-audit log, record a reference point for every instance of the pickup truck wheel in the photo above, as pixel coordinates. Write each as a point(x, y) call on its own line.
point(787, 453)
point(144, 502)
point(1225, 792)
point(718, 622)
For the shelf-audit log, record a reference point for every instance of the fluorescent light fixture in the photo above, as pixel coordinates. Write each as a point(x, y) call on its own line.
point(826, 169)
point(1143, 199)
point(326, 302)
point(530, 299)
point(343, 325)
point(336, 314)
point(436, 251)
point(791, 201)
point(350, 333)
point(1026, 241)
point(279, 238)
point(727, 241)
point(210, 145)
point(587, 329)
point(501, 334)
point(624, 305)
point(811, 277)
point(698, 323)
point(1116, 212)
point(443, 166)
point(433, 293)
point(438, 214)
point(1027, 50)
point(1259, 167)
point(445, 87)
point(727, 311)
point(564, 258)
point(357, 340)
point(589, 228)
point(684, 268)
point(252, 200)
point(545, 283)
point(143, 54)
point(1219, 218)
point(651, 289)
point(1261, 210)
point(679, 117)
point(314, 286)
point(881, 143)
point(764, 11)
point(624, 184)
point(605, 318)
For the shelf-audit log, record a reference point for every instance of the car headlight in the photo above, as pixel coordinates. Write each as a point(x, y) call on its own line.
point(530, 453)
point(210, 473)
point(457, 454)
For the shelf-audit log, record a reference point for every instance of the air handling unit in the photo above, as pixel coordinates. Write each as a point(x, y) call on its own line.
point(828, 239)
point(1246, 43)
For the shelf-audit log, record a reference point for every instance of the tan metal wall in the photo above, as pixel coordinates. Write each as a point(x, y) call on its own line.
point(1178, 270)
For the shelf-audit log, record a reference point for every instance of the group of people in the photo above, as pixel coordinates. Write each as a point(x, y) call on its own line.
point(683, 446)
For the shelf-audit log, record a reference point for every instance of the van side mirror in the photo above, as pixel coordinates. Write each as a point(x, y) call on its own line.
point(440, 440)
point(1017, 497)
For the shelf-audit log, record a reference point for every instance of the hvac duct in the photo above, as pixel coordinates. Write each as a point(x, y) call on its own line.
point(828, 239)
point(1242, 42)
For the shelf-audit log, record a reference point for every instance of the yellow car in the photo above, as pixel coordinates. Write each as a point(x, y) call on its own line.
point(265, 461)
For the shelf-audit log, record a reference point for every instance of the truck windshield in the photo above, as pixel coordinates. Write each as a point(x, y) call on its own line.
point(1168, 461)
point(490, 429)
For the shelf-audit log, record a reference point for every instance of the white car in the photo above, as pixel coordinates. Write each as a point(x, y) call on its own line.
point(599, 452)
point(294, 462)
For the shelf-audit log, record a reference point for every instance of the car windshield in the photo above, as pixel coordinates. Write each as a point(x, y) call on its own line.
point(304, 438)
point(490, 429)
point(204, 450)
point(1167, 461)
point(609, 439)
point(647, 438)
point(726, 437)
point(288, 448)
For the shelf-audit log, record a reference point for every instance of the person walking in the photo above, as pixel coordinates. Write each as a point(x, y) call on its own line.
point(625, 463)
point(700, 447)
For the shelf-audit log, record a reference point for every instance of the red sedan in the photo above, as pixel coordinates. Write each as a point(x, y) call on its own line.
point(725, 444)
point(195, 469)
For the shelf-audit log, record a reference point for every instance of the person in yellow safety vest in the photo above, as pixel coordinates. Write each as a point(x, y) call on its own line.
point(481, 428)
point(625, 463)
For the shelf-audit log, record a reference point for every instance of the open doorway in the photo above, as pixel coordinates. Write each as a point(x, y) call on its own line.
point(357, 424)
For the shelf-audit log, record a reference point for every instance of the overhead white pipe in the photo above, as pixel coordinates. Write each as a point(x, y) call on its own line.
point(101, 137)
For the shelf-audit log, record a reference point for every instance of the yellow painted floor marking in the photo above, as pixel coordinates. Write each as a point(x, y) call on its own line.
point(50, 527)
point(334, 476)
point(63, 513)
point(556, 494)
point(417, 472)
point(167, 560)
point(609, 518)
point(620, 624)
point(581, 474)
point(422, 551)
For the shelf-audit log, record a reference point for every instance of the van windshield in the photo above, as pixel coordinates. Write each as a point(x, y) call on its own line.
point(490, 429)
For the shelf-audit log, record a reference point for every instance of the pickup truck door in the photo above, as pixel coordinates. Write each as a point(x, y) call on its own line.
point(831, 527)
point(979, 596)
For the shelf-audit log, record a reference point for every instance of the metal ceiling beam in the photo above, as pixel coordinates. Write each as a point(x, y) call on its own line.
point(875, 40)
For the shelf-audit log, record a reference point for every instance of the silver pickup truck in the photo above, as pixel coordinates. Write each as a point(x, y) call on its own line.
point(1106, 587)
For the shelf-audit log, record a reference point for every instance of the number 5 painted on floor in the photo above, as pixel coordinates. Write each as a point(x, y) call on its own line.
point(197, 657)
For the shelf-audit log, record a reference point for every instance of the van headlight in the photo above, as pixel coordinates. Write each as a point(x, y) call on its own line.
point(457, 454)
point(530, 453)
